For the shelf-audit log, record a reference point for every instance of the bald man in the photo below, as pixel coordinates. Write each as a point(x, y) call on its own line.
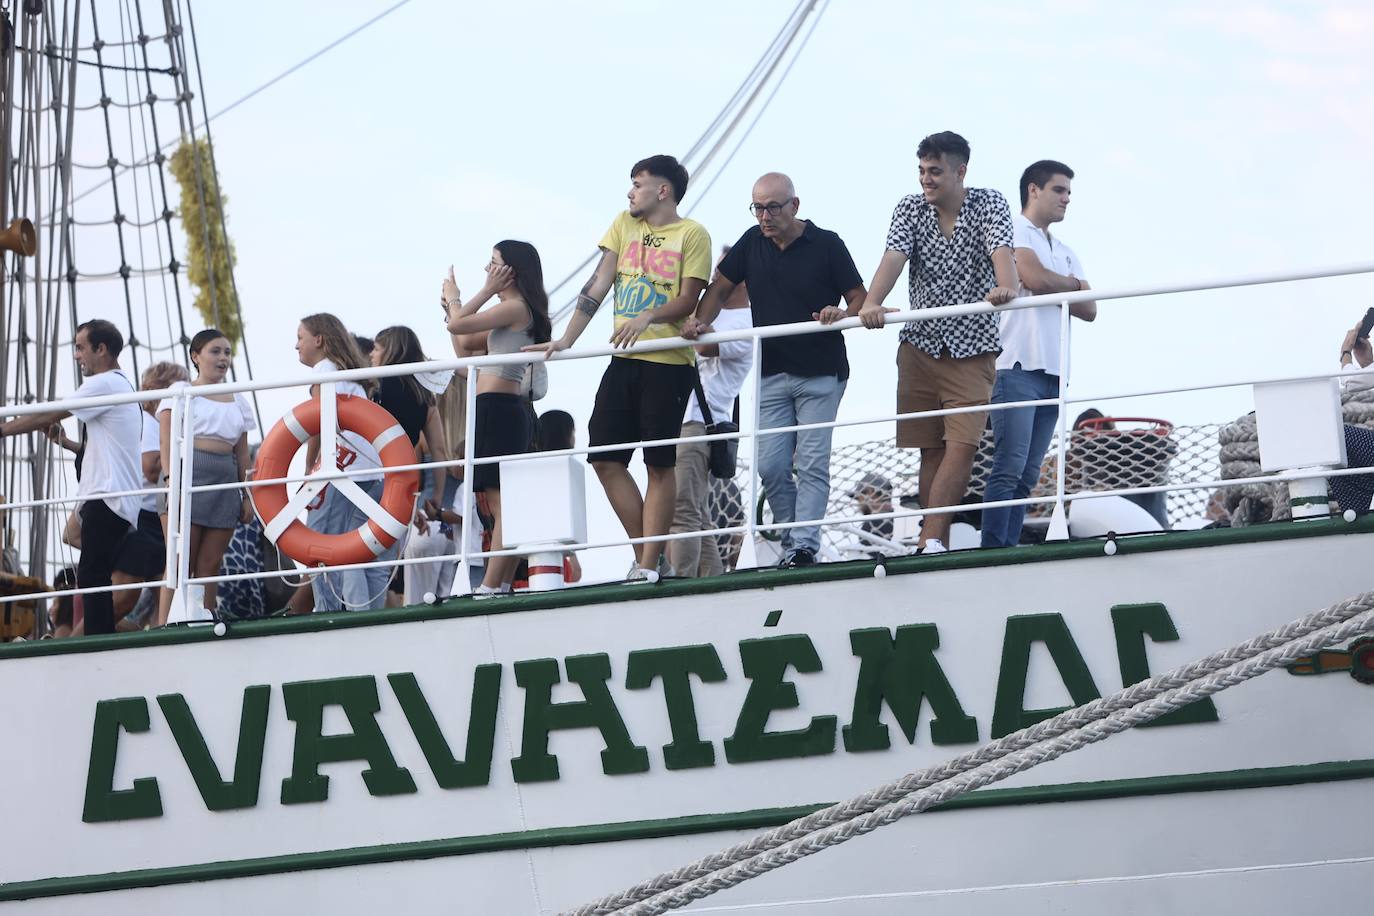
point(795, 272)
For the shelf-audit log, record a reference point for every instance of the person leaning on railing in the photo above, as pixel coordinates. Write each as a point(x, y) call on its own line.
point(1029, 364)
point(795, 271)
point(1356, 492)
point(220, 424)
point(110, 464)
point(659, 263)
point(958, 243)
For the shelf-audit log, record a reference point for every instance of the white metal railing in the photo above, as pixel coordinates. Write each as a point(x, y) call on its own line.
point(179, 489)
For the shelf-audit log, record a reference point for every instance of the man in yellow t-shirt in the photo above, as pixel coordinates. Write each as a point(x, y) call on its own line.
point(659, 264)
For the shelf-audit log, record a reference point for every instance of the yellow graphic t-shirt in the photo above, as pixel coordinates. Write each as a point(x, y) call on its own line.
point(651, 262)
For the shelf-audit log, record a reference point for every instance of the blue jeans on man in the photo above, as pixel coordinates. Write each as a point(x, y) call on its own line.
point(786, 399)
point(1020, 437)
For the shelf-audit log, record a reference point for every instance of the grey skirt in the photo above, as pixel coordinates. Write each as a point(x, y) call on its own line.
point(218, 508)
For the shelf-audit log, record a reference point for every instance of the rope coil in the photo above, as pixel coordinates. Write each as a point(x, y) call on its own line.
point(998, 760)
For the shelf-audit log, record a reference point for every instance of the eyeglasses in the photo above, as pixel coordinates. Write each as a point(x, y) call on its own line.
point(771, 209)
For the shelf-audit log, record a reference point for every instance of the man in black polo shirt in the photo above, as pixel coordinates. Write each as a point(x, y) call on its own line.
point(795, 271)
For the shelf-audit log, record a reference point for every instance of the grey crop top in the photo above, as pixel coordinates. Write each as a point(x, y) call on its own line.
point(502, 341)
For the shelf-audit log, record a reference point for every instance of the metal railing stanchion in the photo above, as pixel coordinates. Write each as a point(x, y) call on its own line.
point(462, 584)
point(1059, 520)
point(748, 551)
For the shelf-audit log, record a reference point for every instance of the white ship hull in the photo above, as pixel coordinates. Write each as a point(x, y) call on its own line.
point(1258, 808)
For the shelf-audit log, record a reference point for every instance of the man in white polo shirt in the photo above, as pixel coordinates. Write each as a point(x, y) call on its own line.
point(1028, 366)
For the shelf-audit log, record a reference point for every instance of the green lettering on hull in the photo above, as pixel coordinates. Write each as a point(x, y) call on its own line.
point(596, 710)
point(676, 665)
point(765, 663)
point(1009, 713)
point(218, 794)
point(902, 672)
point(357, 696)
point(103, 801)
point(475, 768)
point(1134, 622)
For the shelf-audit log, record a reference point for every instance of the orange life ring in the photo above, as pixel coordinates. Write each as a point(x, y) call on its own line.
point(279, 446)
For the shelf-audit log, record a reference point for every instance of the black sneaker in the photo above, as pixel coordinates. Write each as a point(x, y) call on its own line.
point(799, 557)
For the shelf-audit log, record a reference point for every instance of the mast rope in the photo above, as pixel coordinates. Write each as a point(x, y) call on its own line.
point(1040, 743)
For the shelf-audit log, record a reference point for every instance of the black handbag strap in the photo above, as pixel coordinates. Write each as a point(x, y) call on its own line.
point(701, 401)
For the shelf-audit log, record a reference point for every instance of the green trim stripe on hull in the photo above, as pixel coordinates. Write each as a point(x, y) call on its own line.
point(754, 579)
point(1270, 777)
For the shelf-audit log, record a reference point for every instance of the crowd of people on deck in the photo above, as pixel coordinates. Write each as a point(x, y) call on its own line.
point(959, 244)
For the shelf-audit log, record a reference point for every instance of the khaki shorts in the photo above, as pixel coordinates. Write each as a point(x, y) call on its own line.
point(927, 383)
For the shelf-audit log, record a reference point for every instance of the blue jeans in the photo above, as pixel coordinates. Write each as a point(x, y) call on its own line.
point(1020, 437)
point(349, 589)
point(789, 400)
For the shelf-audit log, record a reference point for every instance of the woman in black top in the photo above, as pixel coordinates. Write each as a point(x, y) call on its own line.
point(410, 402)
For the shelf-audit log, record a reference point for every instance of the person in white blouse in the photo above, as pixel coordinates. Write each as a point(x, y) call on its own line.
point(219, 425)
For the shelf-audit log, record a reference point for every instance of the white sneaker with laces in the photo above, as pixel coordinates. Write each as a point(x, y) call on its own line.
point(934, 545)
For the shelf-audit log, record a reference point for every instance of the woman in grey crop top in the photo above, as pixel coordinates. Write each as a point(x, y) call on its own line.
point(504, 422)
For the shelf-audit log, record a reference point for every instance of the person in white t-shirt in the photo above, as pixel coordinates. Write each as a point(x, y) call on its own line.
point(110, 463)
point(1029, 365)
point(220, 424)
point(722, 369)
point(325, 345)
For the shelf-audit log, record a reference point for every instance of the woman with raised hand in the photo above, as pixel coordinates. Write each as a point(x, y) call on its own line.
point(219, 428)
point(503, 426)
point(325, 345)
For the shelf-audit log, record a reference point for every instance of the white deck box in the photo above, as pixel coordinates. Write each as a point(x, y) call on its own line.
point(1299, 424)
point(544, 501)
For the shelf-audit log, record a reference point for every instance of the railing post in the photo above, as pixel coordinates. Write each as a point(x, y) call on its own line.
point(1059, 520)
point(461, 582)
point(172, 565)
point(748, 551)
point(193, 596)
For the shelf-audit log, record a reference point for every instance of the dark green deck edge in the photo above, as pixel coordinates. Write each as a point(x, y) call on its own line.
point(1270, 777)
point(752, 579)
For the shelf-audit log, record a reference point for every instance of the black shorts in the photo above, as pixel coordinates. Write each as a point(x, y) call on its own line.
point(639, 400)
point(142, 552)
point(503, 426)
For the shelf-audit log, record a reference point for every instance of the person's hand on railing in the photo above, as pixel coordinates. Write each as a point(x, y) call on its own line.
point(628, 333)
point(246, 510)
point(692, 328)
point(1353, 347)
point(1000, 295)
point(872, 315)
point(548, 349)
point(830, 314)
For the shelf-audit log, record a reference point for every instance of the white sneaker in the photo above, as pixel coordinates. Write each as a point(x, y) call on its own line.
point(665, 569)
point(486, 591)
point(934, 545)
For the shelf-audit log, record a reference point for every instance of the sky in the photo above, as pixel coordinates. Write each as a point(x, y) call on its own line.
point(1210, 140)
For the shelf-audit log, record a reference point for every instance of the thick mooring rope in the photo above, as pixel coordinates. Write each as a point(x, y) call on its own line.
point(991, 763)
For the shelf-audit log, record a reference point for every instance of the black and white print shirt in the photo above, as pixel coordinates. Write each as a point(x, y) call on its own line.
point(951, 271)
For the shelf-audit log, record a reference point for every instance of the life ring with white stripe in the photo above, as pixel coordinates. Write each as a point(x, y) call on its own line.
point(279, 446)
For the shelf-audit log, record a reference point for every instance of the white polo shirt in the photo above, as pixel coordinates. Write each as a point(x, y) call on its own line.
point(1031, 336)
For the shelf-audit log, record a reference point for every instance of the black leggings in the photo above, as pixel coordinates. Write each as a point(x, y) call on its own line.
point(101, 534)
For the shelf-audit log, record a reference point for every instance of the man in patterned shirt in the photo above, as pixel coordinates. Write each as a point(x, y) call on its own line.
point(958, 243)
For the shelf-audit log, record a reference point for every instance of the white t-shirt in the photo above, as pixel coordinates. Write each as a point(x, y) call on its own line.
point(113, 431)
point(722, 376)
point(151, 442)
point(1031, 336)
point(352, 450)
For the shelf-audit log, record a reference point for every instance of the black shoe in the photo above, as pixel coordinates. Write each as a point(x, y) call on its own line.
point(799, 557)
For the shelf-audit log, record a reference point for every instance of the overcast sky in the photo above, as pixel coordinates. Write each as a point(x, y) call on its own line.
point(1208, 140)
